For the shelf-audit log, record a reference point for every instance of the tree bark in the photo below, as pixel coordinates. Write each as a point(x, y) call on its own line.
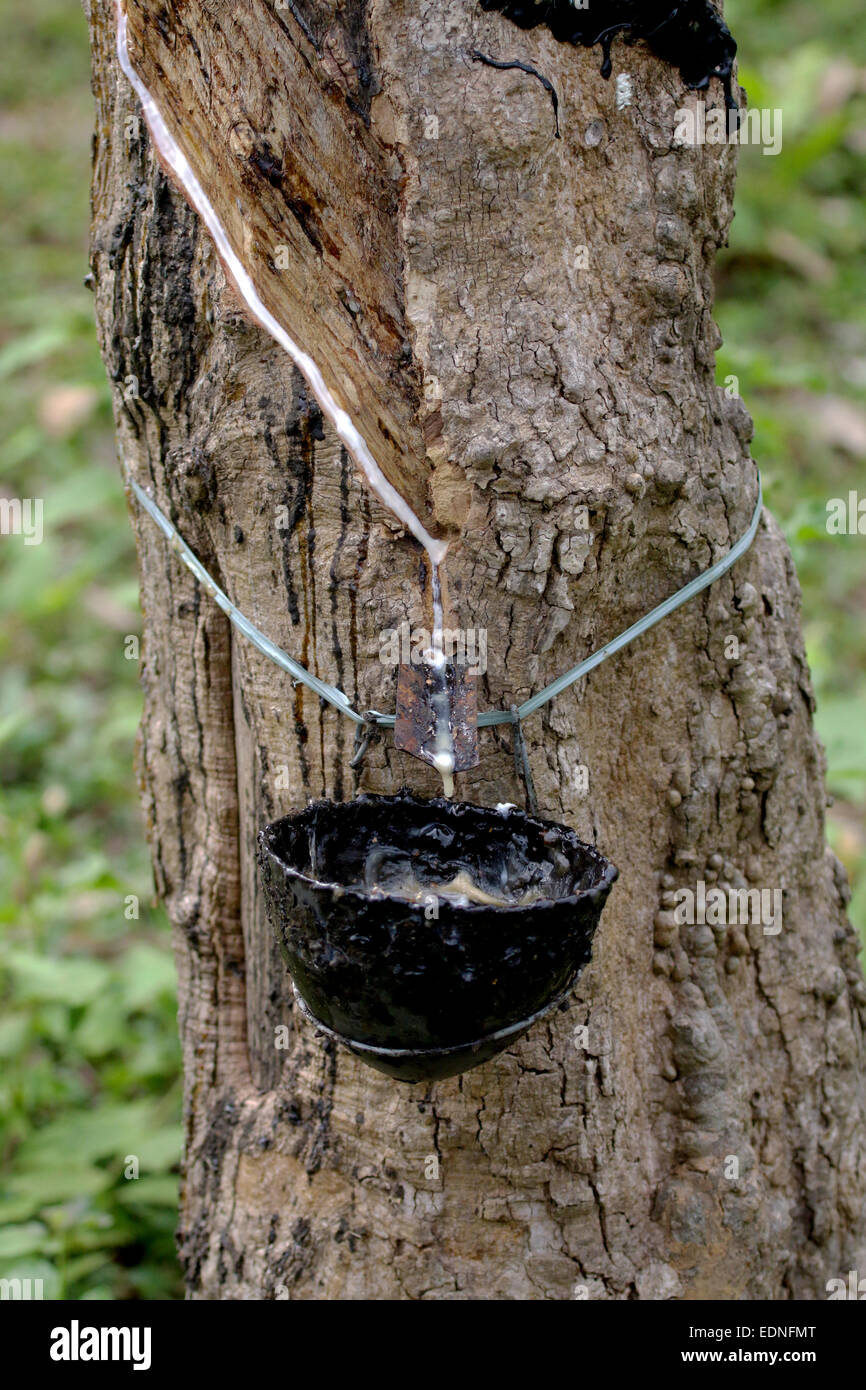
point(521, 326)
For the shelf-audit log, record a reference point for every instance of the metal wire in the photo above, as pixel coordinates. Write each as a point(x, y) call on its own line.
point(488, 718)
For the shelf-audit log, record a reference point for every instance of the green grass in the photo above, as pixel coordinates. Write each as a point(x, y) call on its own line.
point(89, 1064)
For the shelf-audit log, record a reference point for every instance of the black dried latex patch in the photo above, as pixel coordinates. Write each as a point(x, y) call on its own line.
point(691, 36)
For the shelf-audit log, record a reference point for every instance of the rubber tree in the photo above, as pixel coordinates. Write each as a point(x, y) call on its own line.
point(521, 325)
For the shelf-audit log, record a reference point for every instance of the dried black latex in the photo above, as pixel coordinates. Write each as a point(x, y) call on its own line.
point(691, 36)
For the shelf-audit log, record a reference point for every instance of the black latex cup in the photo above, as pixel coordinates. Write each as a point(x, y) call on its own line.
point(420, 996)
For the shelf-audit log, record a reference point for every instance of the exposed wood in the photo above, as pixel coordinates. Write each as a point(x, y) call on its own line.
point(306, 196)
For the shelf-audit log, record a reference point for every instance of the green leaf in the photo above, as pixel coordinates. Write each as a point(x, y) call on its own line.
point(110, 1131)
point(26, 1239)
point(104, 1027)
point(67, 980)
point(147, 973)
point(14, 1031)
point(34, 1269)
point(160, 1151)
point(16, 1209)
point(150, 1192)
point(32, 347)
point(58, 1184)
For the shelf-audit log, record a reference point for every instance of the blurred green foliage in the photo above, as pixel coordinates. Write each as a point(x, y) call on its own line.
point(792, 308)
point(89, 1058)
point(89, 1062)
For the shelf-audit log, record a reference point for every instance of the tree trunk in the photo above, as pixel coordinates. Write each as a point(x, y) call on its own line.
point(521, 327)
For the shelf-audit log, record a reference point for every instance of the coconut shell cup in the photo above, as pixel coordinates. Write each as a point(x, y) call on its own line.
point(427, 989)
